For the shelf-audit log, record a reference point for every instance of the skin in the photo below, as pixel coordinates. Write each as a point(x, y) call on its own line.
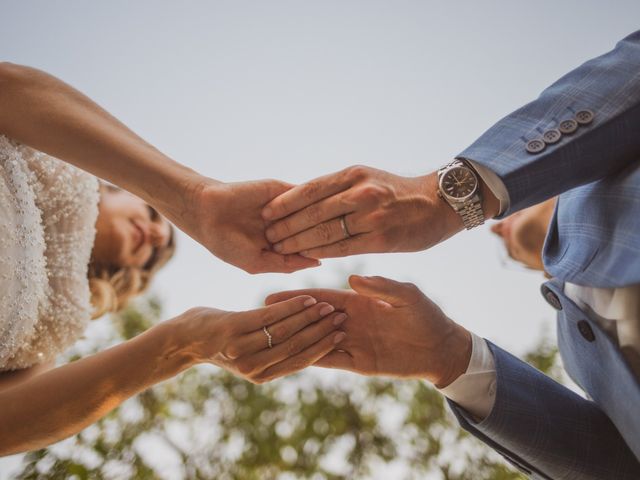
point(393, 330)
point(383, 213)
point(41, 111)
point(63, 401)
point(523, 233)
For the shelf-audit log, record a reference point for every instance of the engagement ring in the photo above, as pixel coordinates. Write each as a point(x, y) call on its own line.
point(266, 332)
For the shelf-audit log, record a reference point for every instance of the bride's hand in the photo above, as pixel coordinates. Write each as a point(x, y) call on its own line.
point(302, 331)
point(226, 219)
point(41, 111)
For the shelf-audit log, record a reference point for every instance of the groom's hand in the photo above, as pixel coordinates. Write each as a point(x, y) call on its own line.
point(393, 329)
point(225, 218)
point(360, 210)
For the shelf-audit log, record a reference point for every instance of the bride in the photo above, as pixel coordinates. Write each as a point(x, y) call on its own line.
point(74, 248)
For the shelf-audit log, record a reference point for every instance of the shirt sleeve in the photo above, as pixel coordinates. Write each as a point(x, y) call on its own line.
point(475, 390)
point(493, 183)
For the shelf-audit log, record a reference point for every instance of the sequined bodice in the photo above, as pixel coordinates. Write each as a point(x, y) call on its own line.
point(48, 211)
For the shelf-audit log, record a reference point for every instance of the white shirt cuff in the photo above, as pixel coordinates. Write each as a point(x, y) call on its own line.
point(475, 390)
point(493, 183)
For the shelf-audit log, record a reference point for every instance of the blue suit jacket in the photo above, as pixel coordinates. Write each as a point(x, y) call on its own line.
point(594, 240)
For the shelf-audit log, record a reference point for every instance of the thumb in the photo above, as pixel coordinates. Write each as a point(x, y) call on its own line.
point(275, 188)
point(394, 293)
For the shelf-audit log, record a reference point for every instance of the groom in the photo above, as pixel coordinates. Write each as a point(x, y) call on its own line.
point(581, 140)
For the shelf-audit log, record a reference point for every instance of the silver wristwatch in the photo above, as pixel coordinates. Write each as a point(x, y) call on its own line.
point(458, 185)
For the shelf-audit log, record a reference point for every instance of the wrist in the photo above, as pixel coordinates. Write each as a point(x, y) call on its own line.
point(455, 355)
point(195, 195)
point(192, 342)
point(187, 188)
point(172, 350)
point(446, 219)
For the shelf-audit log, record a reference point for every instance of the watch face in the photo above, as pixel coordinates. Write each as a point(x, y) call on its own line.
point(458, 183)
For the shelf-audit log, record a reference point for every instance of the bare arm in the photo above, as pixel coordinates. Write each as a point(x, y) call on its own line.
point(45, 113)
point(53, 405)
point(14, 377)
point(56, 404)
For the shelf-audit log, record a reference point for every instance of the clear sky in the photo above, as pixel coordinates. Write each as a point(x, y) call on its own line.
point(242, 90)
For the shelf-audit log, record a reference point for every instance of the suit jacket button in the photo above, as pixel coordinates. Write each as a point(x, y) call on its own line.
point(568, 126)
point(535, 146)
point(586, 331)
point(584, 117)
point(552, 136)
point(551, 298)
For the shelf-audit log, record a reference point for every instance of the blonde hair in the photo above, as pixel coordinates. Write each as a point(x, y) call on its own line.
point(112, 287)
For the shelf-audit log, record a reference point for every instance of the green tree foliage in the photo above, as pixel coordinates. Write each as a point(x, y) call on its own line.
point(208, 424)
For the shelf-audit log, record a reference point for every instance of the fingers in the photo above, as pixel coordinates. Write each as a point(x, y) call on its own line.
point(311, 216)
point(326, 233)
point(281, 331)
point(274, 262)
point(363, 243)
point(304, 195)
point(307, 357)
point(272, 188)
point(395, 293)
point(336, 359)
point(253, 364)
point(275, 312)
point(337, 298)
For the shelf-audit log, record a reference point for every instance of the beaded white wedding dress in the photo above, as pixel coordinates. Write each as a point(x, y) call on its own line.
point(48, 211)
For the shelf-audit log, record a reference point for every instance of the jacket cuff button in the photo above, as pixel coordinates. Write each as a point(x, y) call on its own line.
point(568, 126)
point(584, 117)
point(552, 136)
point(535, 146)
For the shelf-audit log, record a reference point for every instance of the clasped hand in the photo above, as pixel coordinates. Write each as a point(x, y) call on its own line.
point(272, 226)
point(263, 344)
point(268, 225)
point(392, 329)
point(359, 210)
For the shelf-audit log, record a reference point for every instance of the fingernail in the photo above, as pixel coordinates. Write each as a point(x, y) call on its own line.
point(310, 301)
point(340, 336)
point(326, 310)
point(304, 253)
point(341, 317)
point(267, 213)
point(278, 247)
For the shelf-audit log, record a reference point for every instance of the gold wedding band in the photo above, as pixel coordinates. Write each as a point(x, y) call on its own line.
point(269, 338)
point(345, 230)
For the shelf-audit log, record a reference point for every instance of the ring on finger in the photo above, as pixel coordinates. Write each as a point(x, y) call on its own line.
point(343, 224)
point(269, 337)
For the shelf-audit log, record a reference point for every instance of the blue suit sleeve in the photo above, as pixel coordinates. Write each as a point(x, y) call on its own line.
point(548, 431)
point(609, 86)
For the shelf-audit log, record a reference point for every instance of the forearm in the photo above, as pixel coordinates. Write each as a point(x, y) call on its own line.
point(43, 112)
point(475, 389)
point(533, 418)
point(54, 405)
point(609, 86)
